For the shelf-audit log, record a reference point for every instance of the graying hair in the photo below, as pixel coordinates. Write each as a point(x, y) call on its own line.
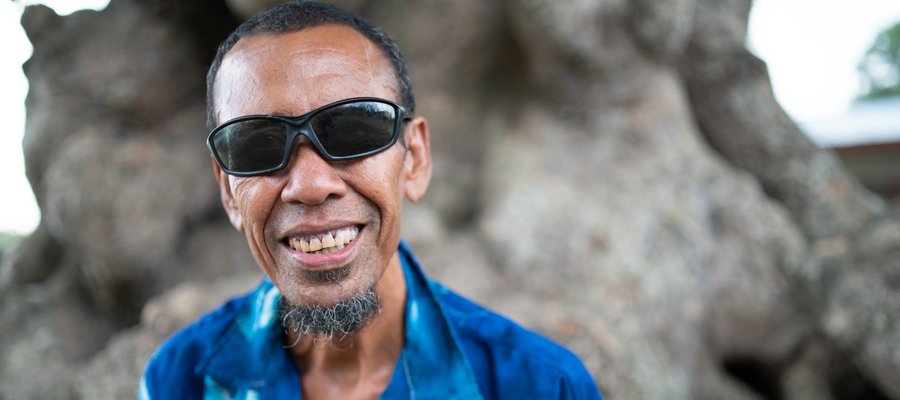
point(346, 317)
point(297, 16)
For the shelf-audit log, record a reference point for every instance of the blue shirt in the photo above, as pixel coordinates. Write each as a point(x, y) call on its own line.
point(453, 349)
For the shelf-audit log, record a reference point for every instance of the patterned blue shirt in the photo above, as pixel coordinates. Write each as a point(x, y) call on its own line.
point(453, 349)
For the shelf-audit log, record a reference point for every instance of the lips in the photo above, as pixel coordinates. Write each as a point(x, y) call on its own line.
point(324, 242)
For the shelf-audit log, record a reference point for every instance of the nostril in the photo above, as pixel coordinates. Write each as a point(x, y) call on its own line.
point(311, 179)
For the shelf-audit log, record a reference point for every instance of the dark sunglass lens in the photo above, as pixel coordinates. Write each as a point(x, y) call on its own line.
point(251, 145)
point(355, 128)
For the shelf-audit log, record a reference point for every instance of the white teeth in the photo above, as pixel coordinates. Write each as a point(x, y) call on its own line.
point(325, 242)
point(315, 244)
point(340, 239)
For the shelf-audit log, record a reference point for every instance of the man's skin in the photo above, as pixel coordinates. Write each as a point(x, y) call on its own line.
point(292, 74)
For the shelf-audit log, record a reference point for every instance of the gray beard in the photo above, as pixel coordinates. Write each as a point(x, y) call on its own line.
point(345, 318)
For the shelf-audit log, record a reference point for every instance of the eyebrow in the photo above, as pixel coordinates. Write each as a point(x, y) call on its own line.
point(284, 113)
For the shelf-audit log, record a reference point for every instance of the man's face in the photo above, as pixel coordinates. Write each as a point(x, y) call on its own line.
point(292, 74)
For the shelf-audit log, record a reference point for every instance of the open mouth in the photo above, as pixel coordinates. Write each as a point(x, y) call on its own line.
point(324, 242)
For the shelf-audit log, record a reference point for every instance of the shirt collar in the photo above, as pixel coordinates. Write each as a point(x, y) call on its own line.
point(436, 367)
point(251, 354)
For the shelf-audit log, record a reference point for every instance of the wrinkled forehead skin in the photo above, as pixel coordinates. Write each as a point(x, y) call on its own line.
point(294, 73)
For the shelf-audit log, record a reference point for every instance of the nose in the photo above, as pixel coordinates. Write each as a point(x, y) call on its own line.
point(311, 178)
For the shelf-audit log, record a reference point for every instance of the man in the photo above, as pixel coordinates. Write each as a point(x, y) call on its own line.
point(315, 150)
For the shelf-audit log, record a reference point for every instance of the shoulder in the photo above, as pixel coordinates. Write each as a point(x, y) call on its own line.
point(510, 361)
point(171, 371)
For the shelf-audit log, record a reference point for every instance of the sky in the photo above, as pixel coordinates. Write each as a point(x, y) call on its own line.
point(811, 47)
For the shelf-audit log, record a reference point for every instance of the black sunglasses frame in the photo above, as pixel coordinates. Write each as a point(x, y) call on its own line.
point(300, 126)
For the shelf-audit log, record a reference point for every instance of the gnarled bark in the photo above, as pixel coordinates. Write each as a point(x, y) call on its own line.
point(615, 174)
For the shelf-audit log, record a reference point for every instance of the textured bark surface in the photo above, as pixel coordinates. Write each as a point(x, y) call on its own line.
point(615, 174)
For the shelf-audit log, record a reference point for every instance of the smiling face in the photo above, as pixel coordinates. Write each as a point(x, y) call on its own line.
point(313, 200)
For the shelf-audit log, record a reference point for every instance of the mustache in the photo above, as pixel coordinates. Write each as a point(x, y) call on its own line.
point(347, 208)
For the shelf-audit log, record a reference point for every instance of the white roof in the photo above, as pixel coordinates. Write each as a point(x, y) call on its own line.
point(874, 121)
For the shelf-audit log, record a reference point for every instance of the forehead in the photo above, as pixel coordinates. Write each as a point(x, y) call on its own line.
point(294, 73)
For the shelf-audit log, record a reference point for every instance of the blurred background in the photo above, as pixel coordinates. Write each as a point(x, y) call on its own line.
point(822, 59)
point(702, 194)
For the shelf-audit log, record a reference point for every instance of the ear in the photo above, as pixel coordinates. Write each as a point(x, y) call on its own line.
point(417, 161)
point(231, 208)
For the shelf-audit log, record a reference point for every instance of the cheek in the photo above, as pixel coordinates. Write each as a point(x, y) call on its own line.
point(379, 180)
point(255, 197)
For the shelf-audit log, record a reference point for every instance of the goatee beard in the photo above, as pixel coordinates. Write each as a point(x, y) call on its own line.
point(344, 318)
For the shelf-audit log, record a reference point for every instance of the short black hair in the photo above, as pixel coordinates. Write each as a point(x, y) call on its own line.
point(296, 16)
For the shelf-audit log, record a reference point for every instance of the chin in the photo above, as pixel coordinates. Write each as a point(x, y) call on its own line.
point(344, 317)
point(326, 287)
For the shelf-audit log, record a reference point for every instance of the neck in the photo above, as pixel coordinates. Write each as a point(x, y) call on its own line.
point(363, 362)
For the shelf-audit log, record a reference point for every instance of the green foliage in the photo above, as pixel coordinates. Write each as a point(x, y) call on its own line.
point(880, 66)
point(8, 240)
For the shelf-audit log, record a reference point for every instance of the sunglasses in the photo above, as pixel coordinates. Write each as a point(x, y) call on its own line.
point(348, 129)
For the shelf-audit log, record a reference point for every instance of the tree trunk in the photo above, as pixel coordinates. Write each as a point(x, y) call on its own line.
point(615, 174)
